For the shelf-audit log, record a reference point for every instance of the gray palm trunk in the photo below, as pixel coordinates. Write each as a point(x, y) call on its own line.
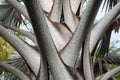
point(68, 44)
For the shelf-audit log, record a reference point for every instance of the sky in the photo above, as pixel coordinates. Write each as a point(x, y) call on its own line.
point(115, 39)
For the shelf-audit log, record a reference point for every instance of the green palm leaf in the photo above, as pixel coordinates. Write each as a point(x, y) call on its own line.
point(113, 57)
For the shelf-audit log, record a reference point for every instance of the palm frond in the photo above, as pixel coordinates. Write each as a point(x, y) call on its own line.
point(5, 11)
point(9, 15)
point(18, 63)
point(113, 57)
point(103, 47)
point(108, 4)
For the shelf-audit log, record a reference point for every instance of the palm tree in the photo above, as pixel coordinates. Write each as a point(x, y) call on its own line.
point(68, 44)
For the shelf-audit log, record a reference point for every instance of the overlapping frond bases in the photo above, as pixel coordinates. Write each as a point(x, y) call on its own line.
point(62, 17)
point(9, 15)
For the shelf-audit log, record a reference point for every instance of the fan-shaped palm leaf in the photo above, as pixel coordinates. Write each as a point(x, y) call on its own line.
point(19, 64)
point(113, 57)
point(9, 15)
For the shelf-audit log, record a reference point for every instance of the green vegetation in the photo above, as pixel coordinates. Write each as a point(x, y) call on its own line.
point(117, 76)
point(5, 50)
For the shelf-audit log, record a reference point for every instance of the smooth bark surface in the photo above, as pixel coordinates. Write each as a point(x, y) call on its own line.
point(71, 51)
point(103, 25)
point(45, 41)
point(25, 33)
point(87, 62)
point(32, 59)
point(110, 73)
